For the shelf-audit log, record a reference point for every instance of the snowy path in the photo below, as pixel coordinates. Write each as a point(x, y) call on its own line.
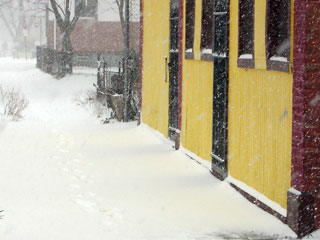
point(63, 175)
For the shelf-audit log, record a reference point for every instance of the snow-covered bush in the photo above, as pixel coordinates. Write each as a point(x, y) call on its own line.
point(12, 103)
point(97, 106)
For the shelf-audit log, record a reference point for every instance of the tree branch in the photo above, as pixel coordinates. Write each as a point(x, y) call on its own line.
point(4, 3)
point(13, 22)
point(59, 19)
point(7, 24)
point(61, 9)
point(77, 13)
point(67, 16)
point(120, 4)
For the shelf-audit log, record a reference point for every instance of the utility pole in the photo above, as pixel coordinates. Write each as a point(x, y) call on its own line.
point(23, 23)
point(41, 30)
point(126, 73)
point(54, 33)
point(25, 35)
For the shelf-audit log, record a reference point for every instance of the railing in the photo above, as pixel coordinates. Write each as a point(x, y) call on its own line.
point(110, 79)
point(54, 62)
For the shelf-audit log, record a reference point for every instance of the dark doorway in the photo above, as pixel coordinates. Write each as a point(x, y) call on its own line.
point(220, 88)
point(173, 70)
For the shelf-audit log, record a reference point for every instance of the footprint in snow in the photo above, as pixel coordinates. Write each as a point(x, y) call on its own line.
point(3, 125)
point(91, 194)
point(74, 186)
point(63, 151)
point(86, 205)
point(78, 171)
point(76, 160)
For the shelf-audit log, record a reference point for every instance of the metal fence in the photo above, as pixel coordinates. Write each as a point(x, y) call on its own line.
point(132, 14)
point(54, 62)
point(51, 61)
point(118, 72)
point(110, 79)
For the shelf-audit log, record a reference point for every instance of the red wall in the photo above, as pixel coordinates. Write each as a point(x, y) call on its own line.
point(306, 102)
point(92, 36)
point(312, 103)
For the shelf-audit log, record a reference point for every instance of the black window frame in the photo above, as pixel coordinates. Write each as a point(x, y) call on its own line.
point(278, 31)
point(86, 13)
point(246, 33)
point(207, 19)
point(190, 26)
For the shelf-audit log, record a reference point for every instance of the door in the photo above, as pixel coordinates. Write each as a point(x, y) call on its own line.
point(173, 70)
point(220, 88)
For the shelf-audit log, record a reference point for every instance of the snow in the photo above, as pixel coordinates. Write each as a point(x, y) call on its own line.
point(279, 59)
point(294, 191)
point(215, 54)
point(275, 206)
point(314, 235)
point(85, 70)
point(246, 56)
point(206, 51)
point(64, 175)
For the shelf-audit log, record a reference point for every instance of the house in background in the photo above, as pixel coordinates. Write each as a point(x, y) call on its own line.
point(237, 83)
point(97, 32)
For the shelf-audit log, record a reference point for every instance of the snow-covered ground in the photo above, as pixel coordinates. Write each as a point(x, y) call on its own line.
point(66, 176)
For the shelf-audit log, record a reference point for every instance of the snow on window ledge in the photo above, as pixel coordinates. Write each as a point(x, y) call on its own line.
point(206, 51)
point(189, 50)
point(219, 54)
point(246, 56)
point(278, 59)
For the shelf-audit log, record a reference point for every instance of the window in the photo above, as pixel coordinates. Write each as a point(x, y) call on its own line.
point(206, 29)
point(278, 35)
point(190, 18)
point(90, 8)
point(221, 28)
point(246, 34)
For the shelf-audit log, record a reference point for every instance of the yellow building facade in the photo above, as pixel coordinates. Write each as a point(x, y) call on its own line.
point(155, 87)
point(260, 114)
point(259, 99)
point(197, 88)
point(196, 120)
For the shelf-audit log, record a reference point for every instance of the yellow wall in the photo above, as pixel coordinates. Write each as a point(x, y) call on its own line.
point(196, 134)
point(259, 150)
point(155, 90)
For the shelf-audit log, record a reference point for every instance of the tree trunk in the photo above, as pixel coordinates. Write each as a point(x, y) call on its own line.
point(65, 58)
point(66, 43)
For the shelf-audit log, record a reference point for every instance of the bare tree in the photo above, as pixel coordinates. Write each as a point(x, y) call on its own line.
point(4, 3)
point(66, 25)
point(64, 21)
point(12, 14)
point(121, 11)
point(16, 17)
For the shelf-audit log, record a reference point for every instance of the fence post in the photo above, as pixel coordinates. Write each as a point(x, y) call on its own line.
point(126, 73)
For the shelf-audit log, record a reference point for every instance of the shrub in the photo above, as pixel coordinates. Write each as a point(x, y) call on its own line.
point(12, 103)
point(97, 106)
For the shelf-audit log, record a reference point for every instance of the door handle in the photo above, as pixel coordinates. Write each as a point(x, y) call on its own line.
point(166, 68)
